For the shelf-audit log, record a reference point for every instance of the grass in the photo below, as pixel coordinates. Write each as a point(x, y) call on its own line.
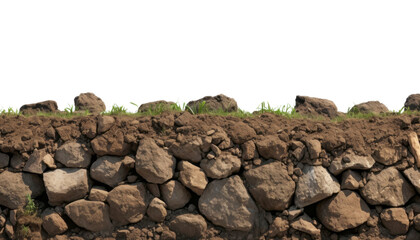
point(28, 218)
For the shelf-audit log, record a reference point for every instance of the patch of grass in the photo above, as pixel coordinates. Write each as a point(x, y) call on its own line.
point(117, 110)
point(285, 110)
point(9, 112)
point(28, 220)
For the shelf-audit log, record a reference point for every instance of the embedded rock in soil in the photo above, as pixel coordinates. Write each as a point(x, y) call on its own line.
point(4, 160)
point(271, 147)
point(388, 187)
point(314, 148)
point(227, 203)
point(187, 151)
point(91, 215)
point(222, 166)
point(189, 225)
point(109, 170)
point(110, 143)
point(349, 160)
point(314, 185)
point(375, 107)
point(413, 176)
point(45, 106)
point(315, 106)
point(105, 123)
point(278, 228)
point(387, 155)
point(35, 164)
point(395, 220)
point(53, 223)
point(240, 132)
point(192, 177)
point(350, 180)
point(154, 163)
point(219, 102)
point(127, 203)
point(157, 210)
point(343, 211)
point(14, 188)
point(66, 185)
point(73, 154)
point(89, 101)
point(156, 106)
point(271, 186)
point(413, 102)
point(98, 193)
point(175, 194)
point(249, 151)
point(304, 224)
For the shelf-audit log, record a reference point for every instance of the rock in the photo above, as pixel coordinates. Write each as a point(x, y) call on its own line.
point(73, 155)
point(110, 144)
point(35, 164)
point(49, 161)
point(4, 160)
point(413, 176)
point(17, 162)
point(187, 151)
point(350, 180)
point(168, 235)
point(174, 194)
point(53, 223)
point(304, 224)
point(219, 102)
point(65, 185)
point(271, 186)
point(413, 235)
point(159, 106)
point(395, 220)
point(91, 215)
point(343, 211)
point(89, 101)
point(227, 203)
point(98, 193)
point(88, 127)
point(315, 106)
point(157, 210)
point(314, 185)
point(414, 144)
point(240, 132)
point(413, 102)
point(314, 148)
point(271, 147)
point(387, 188)
point(416, 222)
point(192, 226)
point(153, 189)
point(222, 166)
point(14, 188)
point(109, 170)
point(349, 160)
point(105, 123)
point(278, 228)
point(249, 151)
point(387, 155)
point(192, 177)
point(154, 163)
point(374, 107)
point(8, 229)
point(127, 203)
point(45, 107)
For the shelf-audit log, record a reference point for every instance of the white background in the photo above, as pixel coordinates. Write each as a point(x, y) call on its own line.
point(253, 51)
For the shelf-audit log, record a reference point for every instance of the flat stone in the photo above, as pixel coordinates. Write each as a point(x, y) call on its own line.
point(109, 170)
point(157, 210)
point(192, 226)
point(222, 166)
point(271, 147)
point(174, 194)
point(192, 177)
point(53, 223)
point(91, 215)
point(98, 193)
point(304, 224)
point(395, 220)
point(73, 155)
point(413, 175)
point(350, 160)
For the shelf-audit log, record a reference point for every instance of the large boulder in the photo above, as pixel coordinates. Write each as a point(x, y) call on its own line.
point(227, 203)
point(91, 215)
point(315, 185)
point(110, 143)
point(222, 166)
point(219, 102)
point(127, 203)
point(413, 102)
point(175, 194)
point(349, 160)
point(343, 211)
point(192, 226)
point(15, 187)
point(66, 185)
point(388, 187)
point(89, 101)
point(315, 106)
point(109, 170)
point(154, 163)
point(192, 177)
point(395, 220)
point(45, 107)
point(156, 106)
point(271, 186)
point(72, 154)
point(271, 147)
point(375, 107)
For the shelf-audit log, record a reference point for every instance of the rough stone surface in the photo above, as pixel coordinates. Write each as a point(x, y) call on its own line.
point(271, 147)
point(416, 222)
point(105, 123)
point(271, 186)
point(192, 177)
point(387, 155)
point(314, 185)
point(227, 203)
point(249, 151)
point(222, 166)
point(45, 106)
point(156, 105)
point(350, 180)
point(14, 195)
point(314, 148)
point(278, 228)
point(343, 211)
point(174, 194)
point(375, 107)
point(189, 225)
point(315, 106)
point(110, 144)
point(388, 188)
point(240, 132)
point(157, 210)
point(91, 215)
point(72, 154)
point(127, 203)
point(350, 160)
point(53, 223)
point(413, 102)
point(219, 102)
point(35, 164)
point(66, 185)
point(109, 170)
point(413, 175)
point(89, 101)
point(4, 160)
point(395, 220)
point(98, 193)
point(154, 163)
point(304, 224)
point(187, 151)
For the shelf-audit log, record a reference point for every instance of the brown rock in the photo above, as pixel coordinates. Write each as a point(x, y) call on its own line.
point(168, 235)
point(188, 225)
point(88, 127)
point(375, 107)
point(49, 161)
point(249, 151)
point(53, 223)
point(98, 193)
point(271, 186)
point(278, 228)
point(46, 107)
point(416, 222)
point(413, 175)
point(413, 102)
point(73, 154)
point(304, 224)
point(110, 144)
point(413, 235)
point(315, 106)
point(314, 148)
point(91, 215)
point(395, 220)
point(387, 155)
point(343, 211)
point(187, 151)
point(159, 106)
point(105, 123)
point(240, 132)
point(192, 177)
point(35, 164)
point(89, 101)
point(174, 194)
point(4, 160)
point(157, 210)
point(349, 160)
point(17, 162)
point(271, 147)
point(219, 102)
point(350, 180)
point(414, 144)
point(109, 170)
point(222, 166)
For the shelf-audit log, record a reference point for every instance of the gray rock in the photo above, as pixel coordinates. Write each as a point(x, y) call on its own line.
point(192, 177)
point(350, 160)
point(73, 155)
point(413, 175)
point(222, 166)
point(91, 215)
point(174, 194)
point(192, 226)
point(45, 106)
point(109, 170)
point(219, 102)
point(271, 147)
point(89, 101)
point(315, 106)
point(4, 160)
